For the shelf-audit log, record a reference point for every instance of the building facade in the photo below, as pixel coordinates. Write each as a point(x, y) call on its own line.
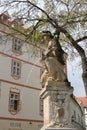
point(20, 71)
point(19, 79)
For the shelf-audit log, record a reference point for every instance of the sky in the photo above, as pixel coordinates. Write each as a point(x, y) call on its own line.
point(75, 77)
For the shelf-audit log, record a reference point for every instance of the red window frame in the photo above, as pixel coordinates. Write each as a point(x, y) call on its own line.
point(14, 101)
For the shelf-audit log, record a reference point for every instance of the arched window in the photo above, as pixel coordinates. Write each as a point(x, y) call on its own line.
point(14, 100)
point(17, 46)
point(16, 69)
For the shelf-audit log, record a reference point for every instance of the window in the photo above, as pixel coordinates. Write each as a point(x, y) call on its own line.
point(14, 101)
point(16, 69)
point(17, 46)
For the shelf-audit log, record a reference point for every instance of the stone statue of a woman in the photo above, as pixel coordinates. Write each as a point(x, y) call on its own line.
point(54, 69)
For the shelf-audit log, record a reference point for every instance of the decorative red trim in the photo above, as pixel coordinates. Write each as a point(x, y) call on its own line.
point(20, 60)
point(22, 85)
point(19, 119)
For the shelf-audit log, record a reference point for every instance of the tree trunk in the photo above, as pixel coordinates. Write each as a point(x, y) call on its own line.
point(84, 74)
point(82, 55)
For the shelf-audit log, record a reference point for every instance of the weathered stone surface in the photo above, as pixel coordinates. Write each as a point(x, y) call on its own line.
point(61, 129)
point(58, 107)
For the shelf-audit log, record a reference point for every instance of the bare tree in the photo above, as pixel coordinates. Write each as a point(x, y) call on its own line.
point(65, 19)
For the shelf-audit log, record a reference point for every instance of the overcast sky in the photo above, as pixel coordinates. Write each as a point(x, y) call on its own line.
point(75, 77)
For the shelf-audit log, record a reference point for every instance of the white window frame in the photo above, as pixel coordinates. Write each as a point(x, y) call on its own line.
point(16, 69)
point(17, 46)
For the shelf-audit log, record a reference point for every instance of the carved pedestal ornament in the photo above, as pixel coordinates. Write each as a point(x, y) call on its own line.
point(57, 110)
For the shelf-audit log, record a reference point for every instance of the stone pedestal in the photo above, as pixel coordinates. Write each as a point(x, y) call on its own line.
point(56, 105)
point(61, 129)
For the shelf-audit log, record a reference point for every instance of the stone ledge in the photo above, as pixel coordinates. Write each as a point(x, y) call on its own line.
point(61, 129)
point(56, 86)
point(57, 83)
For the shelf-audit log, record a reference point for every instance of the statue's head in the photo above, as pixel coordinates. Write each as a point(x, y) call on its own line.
point(47, 35)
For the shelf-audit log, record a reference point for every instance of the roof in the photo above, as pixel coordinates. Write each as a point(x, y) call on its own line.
point(83, 101)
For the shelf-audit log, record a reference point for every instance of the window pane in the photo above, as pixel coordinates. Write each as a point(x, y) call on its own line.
point(16, 96)
point(18, 71)
point(12, 95)
point(12, 102)
point(14, 63)
point(18, 64)
point(15, 40)
point(15, 105)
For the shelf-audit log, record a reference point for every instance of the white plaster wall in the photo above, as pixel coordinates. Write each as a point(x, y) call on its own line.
point(29, 52)
point(30, 76)
point(29, 102)
point(5, 67)
point(30, 73)
point(19, 125)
